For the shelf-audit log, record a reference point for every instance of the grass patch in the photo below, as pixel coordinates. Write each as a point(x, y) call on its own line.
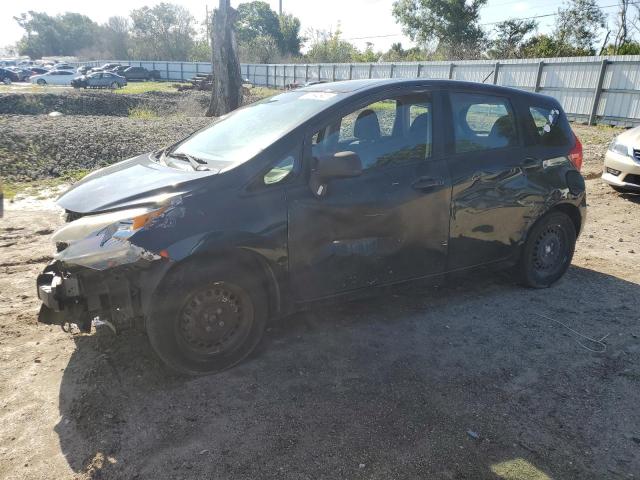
point(142, 113)
point(264, 92)
point(144, 87)
point(34, 188)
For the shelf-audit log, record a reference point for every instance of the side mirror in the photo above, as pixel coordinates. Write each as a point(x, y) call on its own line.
point(340, 165)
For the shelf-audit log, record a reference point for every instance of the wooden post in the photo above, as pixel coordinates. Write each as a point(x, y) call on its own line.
point(451, 67)
point(539, 77)
point(167, 68)
point(306, 73)
point(181, 71)
point(598, 93)
point(319, 72)
point(371, 70)
point(351, 71)
point(267, 76)
point(496, 68)
point(197, 65)
point(333, 74)
point(419, 70)
point(393, 67)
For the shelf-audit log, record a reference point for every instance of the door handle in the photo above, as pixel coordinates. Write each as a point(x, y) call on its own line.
point(532, 163)
point(425, 183)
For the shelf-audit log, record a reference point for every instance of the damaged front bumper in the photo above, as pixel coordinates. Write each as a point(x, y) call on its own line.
point(114, 282)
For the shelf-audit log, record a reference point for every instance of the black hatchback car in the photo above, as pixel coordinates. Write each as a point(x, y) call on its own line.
point(313, 194)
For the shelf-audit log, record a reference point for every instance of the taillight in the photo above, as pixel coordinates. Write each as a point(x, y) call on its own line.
point(575, 155)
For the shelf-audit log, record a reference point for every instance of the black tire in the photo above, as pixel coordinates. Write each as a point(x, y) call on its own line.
point(41, 82)
point(6, 81)
point(206, 320)
point(548, 251)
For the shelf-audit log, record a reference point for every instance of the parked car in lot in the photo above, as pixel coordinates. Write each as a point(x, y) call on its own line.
point(7, 76)
point(139, 73)
point(83, 70)
point(622, 162)
point(38, 70)
point(99, 80)
point(22, 74)
point(317, 193)
point(54, 77)
point(105, 68)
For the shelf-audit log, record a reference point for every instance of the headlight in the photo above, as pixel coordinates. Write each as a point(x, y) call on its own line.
point(83, 227)
point(620, 148)
point(126, 228)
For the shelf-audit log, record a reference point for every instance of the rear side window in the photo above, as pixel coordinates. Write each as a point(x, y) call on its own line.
point(550, 126)
point(482, 122)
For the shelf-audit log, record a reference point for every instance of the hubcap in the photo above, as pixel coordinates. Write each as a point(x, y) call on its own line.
point(214, 319)
point(548, 253)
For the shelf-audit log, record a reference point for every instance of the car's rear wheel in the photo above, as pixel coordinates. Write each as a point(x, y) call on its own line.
point(115, 85)
point(207, 320)
point(41, 82)
point(548, 251)
point(6, 81)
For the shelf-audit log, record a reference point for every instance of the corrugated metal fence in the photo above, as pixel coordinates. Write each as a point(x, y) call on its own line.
point(591, 89)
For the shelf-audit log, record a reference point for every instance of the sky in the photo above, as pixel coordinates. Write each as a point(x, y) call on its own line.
point(361, 21)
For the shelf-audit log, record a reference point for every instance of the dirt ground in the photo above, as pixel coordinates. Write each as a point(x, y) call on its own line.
point(464, 381)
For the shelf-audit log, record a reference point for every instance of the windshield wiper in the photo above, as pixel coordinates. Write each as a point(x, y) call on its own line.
point(197, 163)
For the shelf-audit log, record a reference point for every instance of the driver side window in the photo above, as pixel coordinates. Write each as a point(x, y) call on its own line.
point(388, 132)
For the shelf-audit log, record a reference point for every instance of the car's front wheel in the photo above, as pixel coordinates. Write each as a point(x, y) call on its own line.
point(548, 251)
point(207, 320)
point(41, 82)
point(6, 81)
point(115, 85)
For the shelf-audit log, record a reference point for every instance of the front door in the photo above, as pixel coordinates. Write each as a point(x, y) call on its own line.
point(387, 225)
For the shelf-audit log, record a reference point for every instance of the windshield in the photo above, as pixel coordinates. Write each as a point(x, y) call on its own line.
point(242, 134)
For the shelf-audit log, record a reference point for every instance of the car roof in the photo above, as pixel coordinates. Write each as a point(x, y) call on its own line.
point(350, 87)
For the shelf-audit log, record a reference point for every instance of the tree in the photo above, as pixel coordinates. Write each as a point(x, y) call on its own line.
point(510, 36)
point(226, 94)
point(545, 46)
point(163, 32)
point(578, 24)
point(290, 33)
point(262, 49)
point(453, 25)
point(328, 47)
point(117, 37)
point(61, 35)
point(256, 19)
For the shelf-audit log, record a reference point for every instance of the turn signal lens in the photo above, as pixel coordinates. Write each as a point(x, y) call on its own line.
point(142, 220)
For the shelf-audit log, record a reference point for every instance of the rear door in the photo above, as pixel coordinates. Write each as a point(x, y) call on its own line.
point(391, 223)
point(492, 197)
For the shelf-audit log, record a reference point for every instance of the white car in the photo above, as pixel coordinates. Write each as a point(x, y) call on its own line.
point(622, 162)
point(54, 77)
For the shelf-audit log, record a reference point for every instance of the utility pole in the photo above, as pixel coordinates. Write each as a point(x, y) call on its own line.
point(280, 7)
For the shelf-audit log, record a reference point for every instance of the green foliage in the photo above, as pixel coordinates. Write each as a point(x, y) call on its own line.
point(510, 36)
point(59, 35)
point(162, 32)
point(257, 23)
point(142, 113)
point(290, 31)
point(578, 24)
point(329, 47)
point(545, 46)
point(627, 48)
point(452, 25)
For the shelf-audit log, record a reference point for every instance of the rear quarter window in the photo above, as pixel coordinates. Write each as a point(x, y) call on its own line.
point(550, 126)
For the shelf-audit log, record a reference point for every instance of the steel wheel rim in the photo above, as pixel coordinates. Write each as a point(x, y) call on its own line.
point(549, 252)
point(214, 320)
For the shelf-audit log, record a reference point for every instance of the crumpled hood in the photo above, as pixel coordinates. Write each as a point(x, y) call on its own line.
point(128, 183)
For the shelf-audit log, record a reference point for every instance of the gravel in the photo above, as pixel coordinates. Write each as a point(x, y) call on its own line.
point(39, 146)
